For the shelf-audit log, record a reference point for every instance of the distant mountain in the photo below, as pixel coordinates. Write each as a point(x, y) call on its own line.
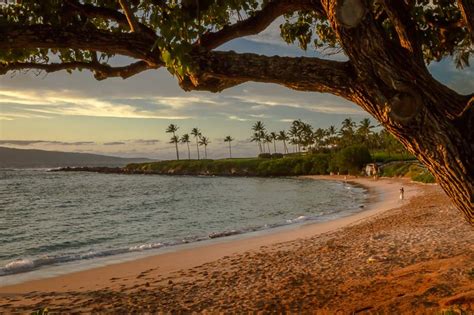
point(21, 158)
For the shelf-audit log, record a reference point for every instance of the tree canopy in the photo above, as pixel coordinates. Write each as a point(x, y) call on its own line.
point(53, 35)
point(388, 44)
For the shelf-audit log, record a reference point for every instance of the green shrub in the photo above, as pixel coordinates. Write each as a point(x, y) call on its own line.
point(385, 157)
point(415, 171)
point(395, 169)
point(419, 173)
point(320, 164)
point(426, 177)
point(277, 155)
point(264, 156)
point(351, 159)
point(298, 169)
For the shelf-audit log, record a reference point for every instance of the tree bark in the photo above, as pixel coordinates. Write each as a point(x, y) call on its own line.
point(433, 122)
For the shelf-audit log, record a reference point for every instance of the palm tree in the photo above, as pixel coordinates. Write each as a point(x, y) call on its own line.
point(258, 126)
point(267, 139)
point(185, 139)
point(274, 137)
point(318, 136)
point(295, 143)
point(282, 136)
point(261, 139)
point(175, 140)
point(347, 131)
point(259, 132)
point(306, 135)
point(364, 131)
point(229, 139)
point(204, 141)
point(172, 128)
point(197, 134)
point(331, 133)
point(295, 134)
point(256, 138)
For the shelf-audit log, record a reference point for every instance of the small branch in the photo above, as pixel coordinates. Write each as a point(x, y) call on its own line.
point(467, 12)
point(132, 22)
point(398, 12)
point(90, 10)
point(257, 23)
point(101, 71)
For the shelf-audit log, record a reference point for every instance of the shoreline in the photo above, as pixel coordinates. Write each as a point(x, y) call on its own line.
point(77, 265)
point(382, 196)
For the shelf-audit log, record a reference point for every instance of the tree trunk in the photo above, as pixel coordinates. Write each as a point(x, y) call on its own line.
point(444, 146)
point(230, 151)
point(197, 147)
point(189, 152)
point(393, 84)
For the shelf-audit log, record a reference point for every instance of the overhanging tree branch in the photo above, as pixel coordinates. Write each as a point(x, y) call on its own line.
point(221, 70)
point(101, 71)
point(256, 23)
point(134, 45)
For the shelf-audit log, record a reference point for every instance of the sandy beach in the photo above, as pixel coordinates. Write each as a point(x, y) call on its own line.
point(411, 256)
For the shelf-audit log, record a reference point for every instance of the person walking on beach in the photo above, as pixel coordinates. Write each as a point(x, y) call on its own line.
point(402, 193)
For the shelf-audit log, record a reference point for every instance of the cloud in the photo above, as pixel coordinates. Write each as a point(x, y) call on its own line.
point(77, 143)
point(114, 143)
point(68, 103)
point(259, 116)
point(147, 142)
point(21, 142)
point(48, 142)
point(233, 117)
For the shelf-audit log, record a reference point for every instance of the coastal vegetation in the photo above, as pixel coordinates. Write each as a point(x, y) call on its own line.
point(315, 152)
point(185, 139)
point(304, 138)
point(292, 165)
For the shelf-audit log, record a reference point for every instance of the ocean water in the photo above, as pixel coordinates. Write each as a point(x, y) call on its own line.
point(53, 218)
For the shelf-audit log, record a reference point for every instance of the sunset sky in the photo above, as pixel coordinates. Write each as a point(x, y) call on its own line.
point(119, 117)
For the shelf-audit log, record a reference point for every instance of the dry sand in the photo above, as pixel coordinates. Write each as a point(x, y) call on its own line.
point(418, 257)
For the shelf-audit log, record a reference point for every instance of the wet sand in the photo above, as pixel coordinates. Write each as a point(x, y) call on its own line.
point(395, 257)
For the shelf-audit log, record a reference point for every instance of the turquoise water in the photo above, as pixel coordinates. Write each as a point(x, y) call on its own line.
point(51, 218)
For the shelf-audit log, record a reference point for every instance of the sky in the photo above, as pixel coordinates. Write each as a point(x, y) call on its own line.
point(76, 113)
